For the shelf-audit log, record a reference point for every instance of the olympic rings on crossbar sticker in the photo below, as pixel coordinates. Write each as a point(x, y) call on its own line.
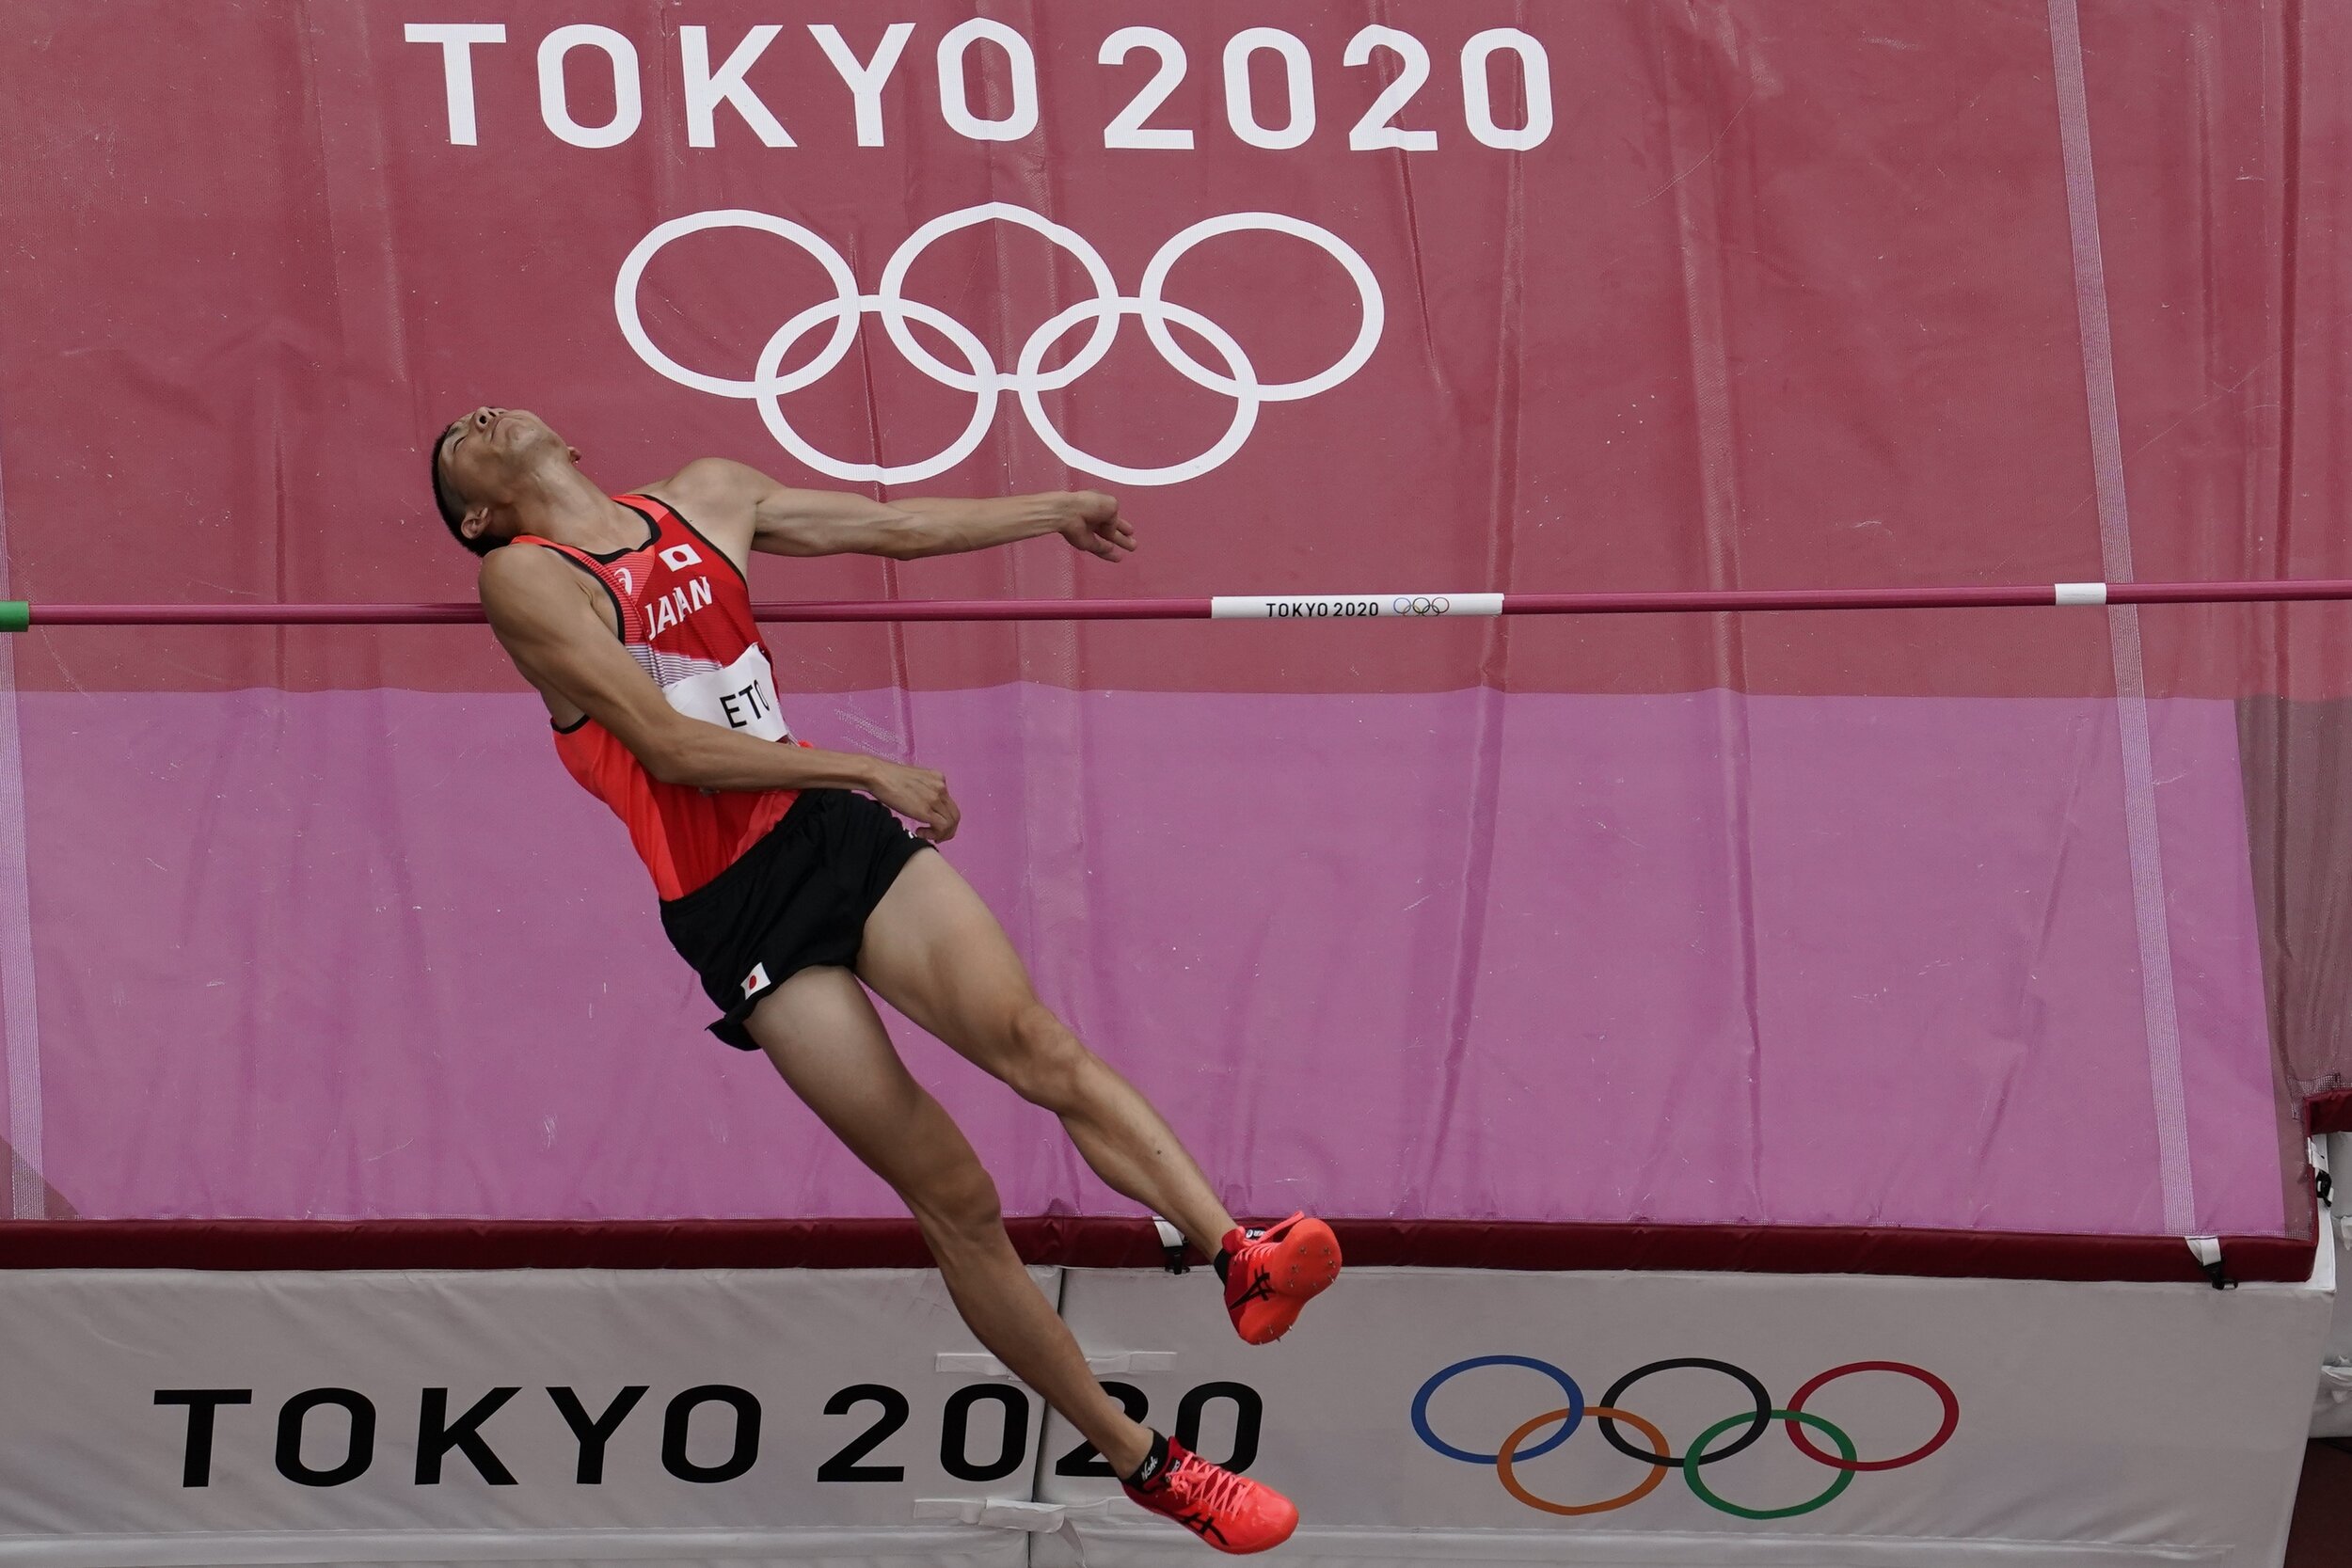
point(979, 374)
point(1660, 1456)
point(1421, 604)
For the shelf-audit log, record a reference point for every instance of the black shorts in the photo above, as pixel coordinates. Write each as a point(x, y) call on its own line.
point(798, 897)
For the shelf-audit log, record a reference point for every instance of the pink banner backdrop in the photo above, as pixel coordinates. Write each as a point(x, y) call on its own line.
point(1444, 954)
point(1935, 919)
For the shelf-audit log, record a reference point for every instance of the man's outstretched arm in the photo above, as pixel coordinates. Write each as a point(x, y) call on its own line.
point(557, 641)
point(750, 511)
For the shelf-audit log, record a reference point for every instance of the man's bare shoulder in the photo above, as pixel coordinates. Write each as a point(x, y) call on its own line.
point(714, 482)
point(513, 574)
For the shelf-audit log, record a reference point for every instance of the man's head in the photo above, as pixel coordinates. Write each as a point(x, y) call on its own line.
point(483, 463)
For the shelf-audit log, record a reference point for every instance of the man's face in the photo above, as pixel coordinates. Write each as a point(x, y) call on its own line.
point(485, 453)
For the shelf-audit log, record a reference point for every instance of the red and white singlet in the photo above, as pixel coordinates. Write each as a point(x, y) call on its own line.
point(685, 614)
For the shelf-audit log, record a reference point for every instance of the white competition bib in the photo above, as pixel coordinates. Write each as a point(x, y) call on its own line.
point(741, 696)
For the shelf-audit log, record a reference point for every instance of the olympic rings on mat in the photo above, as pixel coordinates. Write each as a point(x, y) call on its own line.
point(979, 374)
point(1660, 1456)
point(1942, 1390)
point(1746, 1379)
point(1574, 1414)
point(1606, 1505)
point(1822, 1500)
point(1421, 604)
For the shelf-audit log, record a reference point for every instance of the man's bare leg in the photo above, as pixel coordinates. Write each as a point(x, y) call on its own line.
point(824, 1035)
point(933, 951)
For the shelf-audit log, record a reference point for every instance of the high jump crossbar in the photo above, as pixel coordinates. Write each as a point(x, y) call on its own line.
point(18, 615)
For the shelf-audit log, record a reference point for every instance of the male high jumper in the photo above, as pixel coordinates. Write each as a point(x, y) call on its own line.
point(786, 881)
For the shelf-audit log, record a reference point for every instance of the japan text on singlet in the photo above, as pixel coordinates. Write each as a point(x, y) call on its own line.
point(686, 617)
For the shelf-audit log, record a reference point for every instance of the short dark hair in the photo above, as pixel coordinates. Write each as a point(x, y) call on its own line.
point(454, 509)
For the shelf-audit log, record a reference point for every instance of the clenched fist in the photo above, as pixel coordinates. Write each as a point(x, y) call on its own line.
point(919, 795)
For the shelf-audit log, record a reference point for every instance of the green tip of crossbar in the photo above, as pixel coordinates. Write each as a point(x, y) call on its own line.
point(15, 615)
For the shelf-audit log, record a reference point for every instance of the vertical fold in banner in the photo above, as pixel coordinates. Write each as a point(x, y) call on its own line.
point(2143, 841)
point(1706, 65)
point(20, 1024)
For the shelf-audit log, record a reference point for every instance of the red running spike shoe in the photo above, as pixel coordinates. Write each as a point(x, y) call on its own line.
point(1273, 1273)
point(1230, 1512)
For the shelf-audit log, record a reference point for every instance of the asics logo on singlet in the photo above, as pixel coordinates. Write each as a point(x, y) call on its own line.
point(980, 374)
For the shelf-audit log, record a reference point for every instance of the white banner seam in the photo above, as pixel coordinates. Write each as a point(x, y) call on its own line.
point(2143, 839)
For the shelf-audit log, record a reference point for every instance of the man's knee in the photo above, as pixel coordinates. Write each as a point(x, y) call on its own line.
point(1044, 1062)
point(959, 1209)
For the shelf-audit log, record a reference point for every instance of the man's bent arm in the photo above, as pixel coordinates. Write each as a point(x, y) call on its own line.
point(562, 646)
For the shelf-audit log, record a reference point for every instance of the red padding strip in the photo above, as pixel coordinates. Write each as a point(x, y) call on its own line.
point(1106, 1243)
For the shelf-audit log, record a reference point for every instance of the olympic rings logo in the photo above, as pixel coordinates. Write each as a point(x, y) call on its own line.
point(1421, 604)
point(1659, 1455)
point(981, 376)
